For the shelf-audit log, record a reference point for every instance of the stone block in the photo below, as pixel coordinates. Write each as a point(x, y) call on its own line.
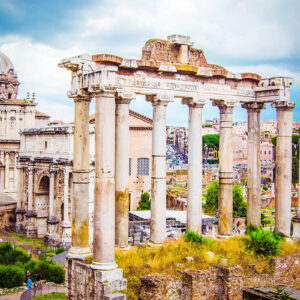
point(116, 296)
point(112, 275)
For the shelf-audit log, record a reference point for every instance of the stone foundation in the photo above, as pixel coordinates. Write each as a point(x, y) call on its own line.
point(83, 282)
point(215, 283)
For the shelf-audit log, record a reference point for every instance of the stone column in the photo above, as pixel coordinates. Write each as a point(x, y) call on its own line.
point(66, 224)
point(80, 206)
point(253, 170)
point(15, 172)
point(30, 188)
point(158, 179)
point(225, 167)
point(104, 210)
point(51, 190)
point(283, 172)
point(194, 201)
point(122, 167)
point(6, 171)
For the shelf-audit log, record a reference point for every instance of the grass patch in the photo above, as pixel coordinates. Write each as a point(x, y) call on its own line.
point(171, 258)
point(53, 296)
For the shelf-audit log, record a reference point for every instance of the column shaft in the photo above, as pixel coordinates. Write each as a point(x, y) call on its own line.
point(253, 169)
point(225, 170)
point(66, 195)
point(51, 194)
point(80, 205)
point(30, 188)
point(6, 170)
point(158, 180)
point(283, 173)
point(122, 171)
point(104, 211)
point(194, 202)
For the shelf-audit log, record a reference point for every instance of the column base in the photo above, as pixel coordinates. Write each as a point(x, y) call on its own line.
point(66, 234)
point(104, 266)
point(79, 253)
point(84, 282)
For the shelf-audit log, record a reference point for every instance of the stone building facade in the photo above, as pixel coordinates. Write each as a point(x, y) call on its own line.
point(15, 114)
point(46, 179)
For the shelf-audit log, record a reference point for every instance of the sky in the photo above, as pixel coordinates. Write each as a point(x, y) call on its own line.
point(260, 36)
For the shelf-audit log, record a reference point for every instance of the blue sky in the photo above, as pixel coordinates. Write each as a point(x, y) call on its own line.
point(260, 36)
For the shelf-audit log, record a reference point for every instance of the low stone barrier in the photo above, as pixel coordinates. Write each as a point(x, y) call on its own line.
point(219, 282)
point(214, 283)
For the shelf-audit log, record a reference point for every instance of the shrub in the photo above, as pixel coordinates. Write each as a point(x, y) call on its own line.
point(263, 243)
point(250, 228)
point(43, 256)
point(51, 271)
point(11, 276)
point(10, 255)
point(192, 236)
point(59, 250)
point(145, 202)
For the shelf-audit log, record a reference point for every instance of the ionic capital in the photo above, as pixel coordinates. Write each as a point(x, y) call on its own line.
point(160, 99)
point(284, 105)
point(194, 102)
point(254, 106)
point(124, 97)
point(225, 106)
point(85, 96)
point(105, 90)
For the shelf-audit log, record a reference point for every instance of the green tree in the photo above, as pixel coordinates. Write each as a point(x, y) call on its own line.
point(145, 202)
point(212, 195)
point(211, 141)
point(239, 203)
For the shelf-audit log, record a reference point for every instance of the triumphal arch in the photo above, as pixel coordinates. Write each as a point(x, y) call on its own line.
point(168, 70)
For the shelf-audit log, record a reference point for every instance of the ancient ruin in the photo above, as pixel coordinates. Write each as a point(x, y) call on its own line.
point(168, 70)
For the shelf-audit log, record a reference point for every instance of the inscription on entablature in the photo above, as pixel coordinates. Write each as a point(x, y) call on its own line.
point(267, 93)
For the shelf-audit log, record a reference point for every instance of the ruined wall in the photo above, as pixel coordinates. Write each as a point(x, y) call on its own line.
point(214, 283)
point(83, 282)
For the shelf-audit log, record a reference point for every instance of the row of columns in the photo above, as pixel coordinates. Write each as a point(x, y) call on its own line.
point(111, 171)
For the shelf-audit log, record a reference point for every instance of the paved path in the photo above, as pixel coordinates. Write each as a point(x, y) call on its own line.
point(17, 295)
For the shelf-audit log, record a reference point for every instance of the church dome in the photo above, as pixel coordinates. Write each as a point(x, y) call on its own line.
point(5, 63)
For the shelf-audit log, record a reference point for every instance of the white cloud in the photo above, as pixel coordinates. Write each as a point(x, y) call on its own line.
point(237, 29)
point(36, 65)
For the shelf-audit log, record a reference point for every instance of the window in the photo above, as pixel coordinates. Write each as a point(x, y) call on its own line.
point(46, 144)
point(143, 167)
point(12, 122)
point(269, 152)
point(129, 166)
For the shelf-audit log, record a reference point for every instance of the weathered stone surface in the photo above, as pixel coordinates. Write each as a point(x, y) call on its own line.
point(84, 282)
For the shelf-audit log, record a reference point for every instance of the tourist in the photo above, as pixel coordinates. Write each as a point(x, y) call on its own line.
point(29, 283)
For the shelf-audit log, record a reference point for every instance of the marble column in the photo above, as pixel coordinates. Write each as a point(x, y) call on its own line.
point(66, 224)
point(225, 203)
point(6, 186)
point(80, 206)
point(283, 171)
point(194, 200)
point(122, 167)
point(51, 190)
point(158, 179)
point(30, 188)
point(15, 172)
point(104, 210)
point(253, 169)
